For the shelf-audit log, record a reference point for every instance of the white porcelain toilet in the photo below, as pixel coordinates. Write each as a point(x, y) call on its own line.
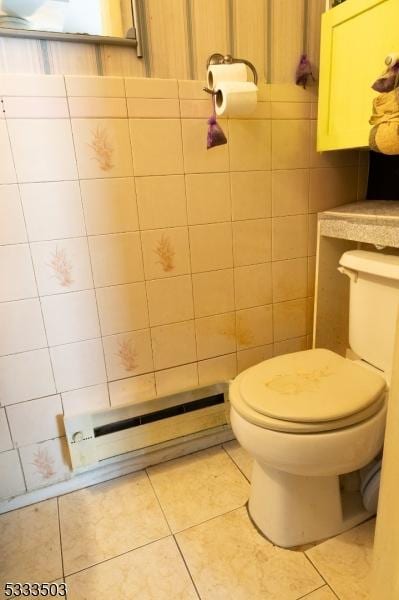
point(309, 417)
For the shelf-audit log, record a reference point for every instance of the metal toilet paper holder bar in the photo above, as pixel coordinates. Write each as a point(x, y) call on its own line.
point(227, 59)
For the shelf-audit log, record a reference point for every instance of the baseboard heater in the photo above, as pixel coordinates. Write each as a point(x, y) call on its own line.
point(101, 435)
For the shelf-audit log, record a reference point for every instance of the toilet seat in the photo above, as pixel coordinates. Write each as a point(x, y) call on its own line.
point(307, 392)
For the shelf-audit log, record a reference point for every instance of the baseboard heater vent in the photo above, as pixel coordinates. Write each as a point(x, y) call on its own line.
point(162, 422)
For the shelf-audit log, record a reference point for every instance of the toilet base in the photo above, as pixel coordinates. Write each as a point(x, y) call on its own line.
point(292, 510)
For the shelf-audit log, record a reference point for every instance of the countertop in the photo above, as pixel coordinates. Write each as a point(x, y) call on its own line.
point(372, 221)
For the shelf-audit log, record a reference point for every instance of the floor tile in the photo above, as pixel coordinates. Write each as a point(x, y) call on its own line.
point(108, 519)
point(240, 456)
point(345, 561)
point(154, 572)
point(30, 544)
point(228, 558)
point(198, 487)
point(323, 593)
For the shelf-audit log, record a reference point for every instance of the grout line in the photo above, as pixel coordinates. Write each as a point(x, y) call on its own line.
point(314, 566)
point(186, 565)
point(234, 462)
point(268, 42)
point(117, 555)
point(60, 537)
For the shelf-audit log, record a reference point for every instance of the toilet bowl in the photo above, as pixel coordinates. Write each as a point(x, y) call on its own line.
point(307, 418)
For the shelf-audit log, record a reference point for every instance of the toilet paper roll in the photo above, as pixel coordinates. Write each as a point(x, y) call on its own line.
point(230, 72)
point(236, 98)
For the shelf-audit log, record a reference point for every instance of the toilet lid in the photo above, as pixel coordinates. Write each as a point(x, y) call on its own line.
point(311, 387)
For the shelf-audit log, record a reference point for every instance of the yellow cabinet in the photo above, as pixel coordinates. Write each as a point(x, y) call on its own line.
point(356, 38)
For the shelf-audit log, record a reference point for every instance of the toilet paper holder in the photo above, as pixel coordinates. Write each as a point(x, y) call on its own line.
point(228, 59)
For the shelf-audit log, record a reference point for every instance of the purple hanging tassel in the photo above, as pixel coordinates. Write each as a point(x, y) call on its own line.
point(303, 72)
point(215, 135)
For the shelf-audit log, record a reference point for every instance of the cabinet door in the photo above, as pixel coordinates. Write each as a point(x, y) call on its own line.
point(356, 37)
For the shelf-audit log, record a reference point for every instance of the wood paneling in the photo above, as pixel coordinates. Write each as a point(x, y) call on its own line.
point(20, 56)
point(210, 31)
point(167, 26)
point(180, 35)
point(287, 33)
point(251, 32)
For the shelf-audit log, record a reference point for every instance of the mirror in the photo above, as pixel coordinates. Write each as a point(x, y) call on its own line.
point(111, 18)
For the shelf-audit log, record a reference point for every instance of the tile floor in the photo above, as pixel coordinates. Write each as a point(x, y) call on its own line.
point(177, 531)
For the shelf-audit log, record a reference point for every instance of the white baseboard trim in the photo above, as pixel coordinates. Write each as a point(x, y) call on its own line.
point(117, 469)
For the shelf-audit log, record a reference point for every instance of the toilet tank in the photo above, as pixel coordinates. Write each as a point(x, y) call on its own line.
point(373, 304)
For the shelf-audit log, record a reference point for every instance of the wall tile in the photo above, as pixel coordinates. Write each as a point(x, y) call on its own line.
point(253, 285)
point(192, 89)
point(215, 335)
point(161, 201)
point(289, 237)
point(21, 326)
point(36, 420)
point(87, 399)
point(311, 275)
point(102, 148)
point(36, 108)
point(170, 300)
point(332, 187)
point(109, 205)
point(12, 225)
point(290, 192)
point(78, 365)
point(290, 110)
point(183, 337)
point(122, 308)
point(253, 356)
point(291, 144)
point(132, 390)
point(70, 317)
point(290, 279)
point(216, 370)
point(340, 158)
point(213, 292)
point(254, 327)
point(251, 195)
point(12, 480)
point(157, 147)
point(103, 87)
point(194, 109)
point(97, 108)
point(116, 258)
point(208, 198)
point(62, 266)
point(50, 142)
point(5, 437)
point(16, 273)
point(176, 379)
point(128, 354)
point(165, 252)
point(289, 319)
point(153, 108)
point(45, 463)
point(197, 159)
point(211, 247)
point(312, 234)
point(26, 376)
point(52, 210)
point(249, 145)
point(31, 85)
point(143, 87)
point(251, 241)
point(7, 171)
point(291, 345)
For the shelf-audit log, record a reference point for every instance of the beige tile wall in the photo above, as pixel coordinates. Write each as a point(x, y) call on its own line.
point(133, 261)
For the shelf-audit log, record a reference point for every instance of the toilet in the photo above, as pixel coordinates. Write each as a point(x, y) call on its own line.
point(311, 417)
